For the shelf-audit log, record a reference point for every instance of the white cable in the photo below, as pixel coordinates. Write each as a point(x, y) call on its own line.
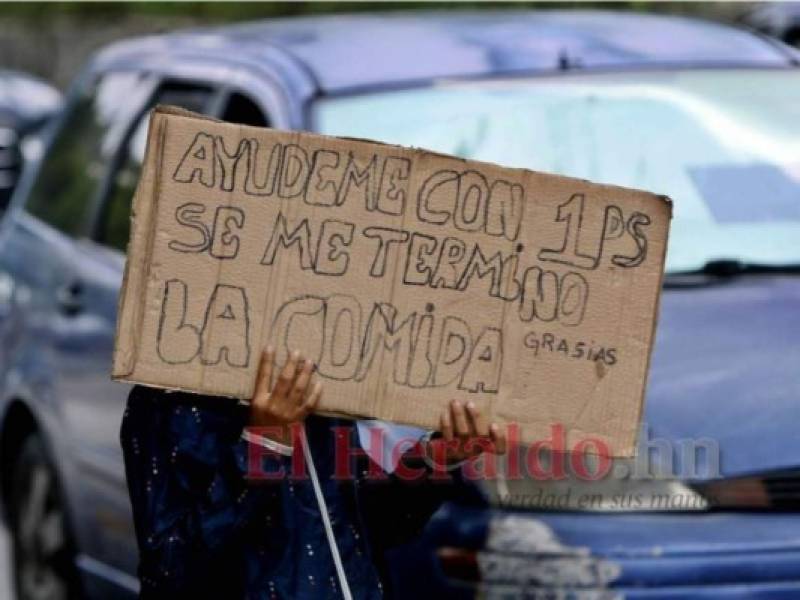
point(326, 520)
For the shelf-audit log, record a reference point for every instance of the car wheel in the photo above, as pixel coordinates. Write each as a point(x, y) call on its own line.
point(43, 553)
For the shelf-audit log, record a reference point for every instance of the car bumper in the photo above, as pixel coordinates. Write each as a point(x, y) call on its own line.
point(611, 555)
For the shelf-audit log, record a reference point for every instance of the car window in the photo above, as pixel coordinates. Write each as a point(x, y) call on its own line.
point(724, 144)
point(242, 110)
point(77, 161)
point(114, 224)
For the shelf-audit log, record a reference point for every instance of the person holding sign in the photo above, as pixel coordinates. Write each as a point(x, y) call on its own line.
point(272, 501)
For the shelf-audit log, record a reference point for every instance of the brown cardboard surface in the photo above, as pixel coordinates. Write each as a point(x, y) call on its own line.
point(410, 277)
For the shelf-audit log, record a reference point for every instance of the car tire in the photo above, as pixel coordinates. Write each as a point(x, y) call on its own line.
point(44, 566)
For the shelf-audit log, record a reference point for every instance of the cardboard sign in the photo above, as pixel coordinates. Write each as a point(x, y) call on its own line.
point(412, 278)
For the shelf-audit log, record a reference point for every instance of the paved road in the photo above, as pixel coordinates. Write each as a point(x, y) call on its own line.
point(5, 567)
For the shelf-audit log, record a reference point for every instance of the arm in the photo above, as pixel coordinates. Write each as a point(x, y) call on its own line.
point(401, 507)
point(397, 511)
point(186, 463)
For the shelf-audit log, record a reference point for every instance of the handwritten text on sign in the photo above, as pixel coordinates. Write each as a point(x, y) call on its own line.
point(410, 271)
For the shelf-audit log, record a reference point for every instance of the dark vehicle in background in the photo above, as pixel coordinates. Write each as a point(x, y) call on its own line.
point(26, 105)
point(704, 113)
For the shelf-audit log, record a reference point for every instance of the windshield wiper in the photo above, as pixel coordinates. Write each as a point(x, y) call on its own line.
point(724, 269)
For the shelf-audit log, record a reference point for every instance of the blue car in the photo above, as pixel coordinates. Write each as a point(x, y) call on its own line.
point(26, 104)
point(705, 113)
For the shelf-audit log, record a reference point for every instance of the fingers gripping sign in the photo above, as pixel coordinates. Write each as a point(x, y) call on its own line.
point(287, 400)
point(465, 432)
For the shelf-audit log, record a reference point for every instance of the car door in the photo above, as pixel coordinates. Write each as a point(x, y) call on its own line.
point(106, 491)
point(61, 264)
point(47, 329)
point(94, 404)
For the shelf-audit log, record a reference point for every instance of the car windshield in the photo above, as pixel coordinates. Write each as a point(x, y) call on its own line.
point(724, 145)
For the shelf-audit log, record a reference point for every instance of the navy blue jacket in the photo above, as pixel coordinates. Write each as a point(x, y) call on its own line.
point(207, 530)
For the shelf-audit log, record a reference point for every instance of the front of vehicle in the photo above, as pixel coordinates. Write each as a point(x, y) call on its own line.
point(706, 509)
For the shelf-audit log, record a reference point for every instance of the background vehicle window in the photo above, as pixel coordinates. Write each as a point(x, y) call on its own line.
point(241, 109)
point(729, 158)
point(74, 168)
point(114, 225)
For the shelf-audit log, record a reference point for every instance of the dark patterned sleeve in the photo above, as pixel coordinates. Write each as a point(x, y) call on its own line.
point(186, 468)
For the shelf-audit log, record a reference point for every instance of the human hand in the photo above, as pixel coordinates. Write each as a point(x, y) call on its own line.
point(465, 433)
point(289, 400)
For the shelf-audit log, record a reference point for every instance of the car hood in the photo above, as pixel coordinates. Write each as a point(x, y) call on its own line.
point(726, 370)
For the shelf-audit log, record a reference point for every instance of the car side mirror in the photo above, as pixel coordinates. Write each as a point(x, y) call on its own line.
point(10, 164)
